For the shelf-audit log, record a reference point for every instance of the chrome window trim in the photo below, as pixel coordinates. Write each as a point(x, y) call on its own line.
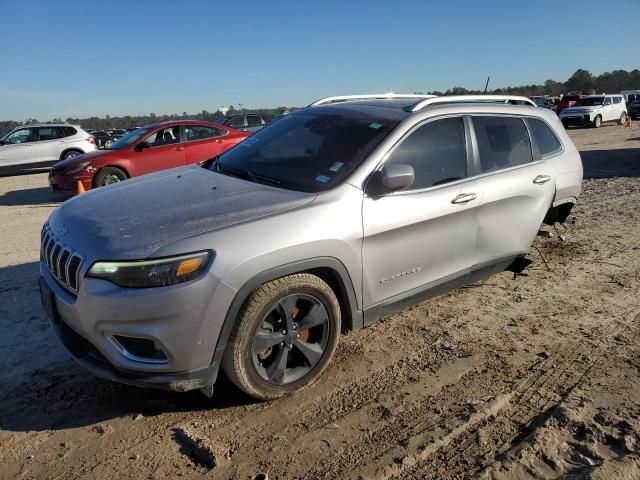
point(474, 153)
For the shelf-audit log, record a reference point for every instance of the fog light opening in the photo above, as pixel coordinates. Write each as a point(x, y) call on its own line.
point(140, 349)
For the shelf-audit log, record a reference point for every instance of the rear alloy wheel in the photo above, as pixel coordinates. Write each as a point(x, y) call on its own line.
point(109, 176)
point(284, 337)
point(623, 119)
point(71, 154)
point(107, 144)
point(597, 121)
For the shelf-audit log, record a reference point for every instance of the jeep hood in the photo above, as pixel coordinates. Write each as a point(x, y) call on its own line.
point(134, 218)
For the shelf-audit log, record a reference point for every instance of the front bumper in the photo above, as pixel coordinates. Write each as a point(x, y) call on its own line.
point(183, 321)
point(69, 183)
point(577, 120)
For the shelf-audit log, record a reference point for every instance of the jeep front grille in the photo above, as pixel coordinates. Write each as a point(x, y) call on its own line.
point(63, 263)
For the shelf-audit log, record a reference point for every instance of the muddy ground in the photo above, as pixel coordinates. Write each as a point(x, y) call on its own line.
point(534, 377)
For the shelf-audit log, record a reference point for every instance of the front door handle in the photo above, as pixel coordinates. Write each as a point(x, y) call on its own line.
point(540, 179)
point(179, 149)
point(464, 198)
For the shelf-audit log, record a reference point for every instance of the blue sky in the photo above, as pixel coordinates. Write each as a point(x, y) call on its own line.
point(80, 58)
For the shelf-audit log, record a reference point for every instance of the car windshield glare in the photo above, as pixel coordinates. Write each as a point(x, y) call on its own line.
point(128, 138)
point(307, 151)
point(589, 102)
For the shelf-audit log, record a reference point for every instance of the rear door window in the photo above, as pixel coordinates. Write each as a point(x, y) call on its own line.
point(48, 133)
point(236, 122)
point(545, 140)
point(503, 142)
point(200, 132)
point(437, 152)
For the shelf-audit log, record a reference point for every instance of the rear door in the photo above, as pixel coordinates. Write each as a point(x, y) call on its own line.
point(164, 149)
point(424, 235)
point(516, 184)
point(49, 144)
point(203, 142)
point(19, 148)
point(609, 110)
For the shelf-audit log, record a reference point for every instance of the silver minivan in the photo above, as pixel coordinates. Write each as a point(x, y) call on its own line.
point(323, 221)
point(40, 146)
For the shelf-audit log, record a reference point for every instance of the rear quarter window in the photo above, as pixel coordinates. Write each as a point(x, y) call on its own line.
point(69, 131)
point(545, 140)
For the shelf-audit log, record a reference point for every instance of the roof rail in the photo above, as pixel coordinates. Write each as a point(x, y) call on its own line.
point(346, 98)
point(472, 98)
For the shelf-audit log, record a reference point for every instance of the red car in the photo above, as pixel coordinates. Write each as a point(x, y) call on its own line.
point(569, 100)
point(145, 150)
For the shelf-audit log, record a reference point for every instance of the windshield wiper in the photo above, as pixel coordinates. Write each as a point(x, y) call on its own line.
point(247, 175)
point(262, 179)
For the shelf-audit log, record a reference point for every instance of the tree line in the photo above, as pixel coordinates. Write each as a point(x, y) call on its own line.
point(609, 82)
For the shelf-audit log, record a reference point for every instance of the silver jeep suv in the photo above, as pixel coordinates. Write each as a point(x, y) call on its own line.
point(324, 221)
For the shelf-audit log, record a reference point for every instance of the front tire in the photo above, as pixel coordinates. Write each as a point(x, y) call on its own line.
point(597, 121)
point(284, 337)
point(108, 176)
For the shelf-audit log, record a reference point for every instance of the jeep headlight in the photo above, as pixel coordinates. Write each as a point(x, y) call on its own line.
point(158, 272)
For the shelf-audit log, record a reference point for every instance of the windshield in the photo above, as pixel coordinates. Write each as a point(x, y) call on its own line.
point(129, 138)
point(589, 101)
point(570, 98)
point(309, 152)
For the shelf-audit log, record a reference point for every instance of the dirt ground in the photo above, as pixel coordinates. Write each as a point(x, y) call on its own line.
point(533, 377)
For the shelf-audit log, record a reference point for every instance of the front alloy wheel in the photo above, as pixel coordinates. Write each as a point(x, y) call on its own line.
point(291, 339)
point(284, 336)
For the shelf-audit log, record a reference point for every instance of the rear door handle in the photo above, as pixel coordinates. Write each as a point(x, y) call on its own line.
point(464, 198)
point(540, 179)
point(179, 149)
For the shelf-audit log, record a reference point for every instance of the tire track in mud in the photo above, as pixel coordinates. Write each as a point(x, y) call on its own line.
point(482, 437)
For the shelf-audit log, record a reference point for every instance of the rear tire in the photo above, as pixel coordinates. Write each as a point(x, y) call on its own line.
point(623, 119)
point(108, 176)
point(70, 154)
point(597, 122)
point(284, 337)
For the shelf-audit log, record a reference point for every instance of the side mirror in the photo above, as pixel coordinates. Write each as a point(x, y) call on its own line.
point(141, 146)
point(390, 178)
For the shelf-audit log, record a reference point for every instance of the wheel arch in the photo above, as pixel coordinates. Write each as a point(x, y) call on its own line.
point(119, 166)
point(70, 149)
point(329, 269)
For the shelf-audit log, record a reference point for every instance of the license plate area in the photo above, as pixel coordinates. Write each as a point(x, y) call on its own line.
point(48, 299)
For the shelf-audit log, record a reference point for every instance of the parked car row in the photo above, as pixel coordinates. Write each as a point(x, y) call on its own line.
point(145, 150)
point(580, 109)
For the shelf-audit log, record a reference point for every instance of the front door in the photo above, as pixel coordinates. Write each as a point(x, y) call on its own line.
point(424, 235)
point(19, 148)
point(162, 149)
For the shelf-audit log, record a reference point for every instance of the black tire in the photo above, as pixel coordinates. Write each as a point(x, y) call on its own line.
point(109, 175)
point(597, 122)
point(623, 119)
point(291, 359)
point(70, 154)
